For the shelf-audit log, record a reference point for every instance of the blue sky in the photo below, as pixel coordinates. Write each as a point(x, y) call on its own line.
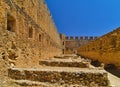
point(85, 17)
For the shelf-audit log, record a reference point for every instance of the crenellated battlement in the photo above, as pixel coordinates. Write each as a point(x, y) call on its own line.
point(70, 43)
point(81, 37)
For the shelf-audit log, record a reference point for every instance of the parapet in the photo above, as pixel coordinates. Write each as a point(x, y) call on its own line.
point(81, 37)
point(71, 38)
point(95, 37)
point(76, 38)
point(86, 37)
point(66, 37)
point(91, 38)
point(62, 36)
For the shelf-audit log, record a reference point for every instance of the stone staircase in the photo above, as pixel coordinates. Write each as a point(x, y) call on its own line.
point(60, 72)
point(70, 62)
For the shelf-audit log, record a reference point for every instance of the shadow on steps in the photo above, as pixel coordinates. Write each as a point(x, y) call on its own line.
point(113, 70)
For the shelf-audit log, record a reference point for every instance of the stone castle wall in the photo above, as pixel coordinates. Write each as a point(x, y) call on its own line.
point(27, 34)
point(105, 49)
point(71, 43)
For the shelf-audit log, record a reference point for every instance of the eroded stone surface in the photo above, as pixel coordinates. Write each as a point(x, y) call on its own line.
point(69, 62)
point(27, 34)
point(62, 75)
point(105, 49)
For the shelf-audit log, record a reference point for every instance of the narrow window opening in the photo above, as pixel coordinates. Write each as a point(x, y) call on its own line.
point(63, 43)
point(39, 37)
point(10, 23)
point(63, 51)
point(30, 32)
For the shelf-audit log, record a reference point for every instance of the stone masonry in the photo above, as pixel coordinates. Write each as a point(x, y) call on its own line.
point(66, 72)
point(27, 34)
point(105, 49)
point(71, 43)
point(31, 50)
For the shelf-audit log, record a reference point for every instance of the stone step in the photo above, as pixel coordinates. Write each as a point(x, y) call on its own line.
point(80, 76)
point(66, 56)
point(43, 84)
point(31, 83)
point(65, 63)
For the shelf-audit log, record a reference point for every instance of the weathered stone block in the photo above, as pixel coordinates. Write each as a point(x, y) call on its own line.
point(63, 75)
